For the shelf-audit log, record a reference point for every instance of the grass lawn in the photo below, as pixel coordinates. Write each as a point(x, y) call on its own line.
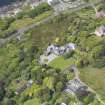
point(61, 63)
point(32, 102)
point(95, 78)
point(27, 21)
point(15, 85)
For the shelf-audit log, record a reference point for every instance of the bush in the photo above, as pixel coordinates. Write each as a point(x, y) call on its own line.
point(59, 86)
point(99, 63)
point(10, 93)
point(20, 15)
point(68, 55)
point(43, 7)
point(7, 33)
point(2, 89)
point(83, 62)
point(11, 102)
point(39, 9)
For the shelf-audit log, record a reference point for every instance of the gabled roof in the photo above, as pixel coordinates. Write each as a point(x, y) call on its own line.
point(100, 30)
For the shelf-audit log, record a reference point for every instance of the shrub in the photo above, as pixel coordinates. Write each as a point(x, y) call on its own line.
point(99, 62)
point(39, 9)
point(68, 55)
point(7, 33)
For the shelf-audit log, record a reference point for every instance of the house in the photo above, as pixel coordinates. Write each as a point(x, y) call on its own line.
point(47, 59)
point(53, 51)
point(57, 50)
point(100, 14)
point(11, 10)
point(73, 86)
point(63, 103)
point(62, 50)
point(100, 31)
point(50, 48)
point(50, 2)
point(70, 46)
point(53, 2)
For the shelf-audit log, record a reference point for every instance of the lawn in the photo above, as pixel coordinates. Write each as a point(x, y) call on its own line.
point(95, 78)
point(27, 21)
point(34, 101)
point(61, 63)
point(15, 85)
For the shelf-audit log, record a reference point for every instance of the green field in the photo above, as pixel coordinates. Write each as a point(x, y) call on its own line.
point(27, 21)
point(32, 102)
point(95, 78)
point(61, 63)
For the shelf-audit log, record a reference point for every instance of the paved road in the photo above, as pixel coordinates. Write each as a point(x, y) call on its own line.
point(24, 29)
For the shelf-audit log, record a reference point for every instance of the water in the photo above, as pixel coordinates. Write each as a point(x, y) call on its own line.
point(6, 2)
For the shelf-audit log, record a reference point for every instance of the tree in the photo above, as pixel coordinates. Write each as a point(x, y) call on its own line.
point(49, 82)
point(2, 93)
point(2, 90)
point(59, 86)
point(11, 102)
point(43, 7)
point(10, 93)
point(68, 55)
point(21, 55)
point(93, 6)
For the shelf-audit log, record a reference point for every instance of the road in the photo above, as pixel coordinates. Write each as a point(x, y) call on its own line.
point(89, 88)
point(26, 28)
point(76, 77)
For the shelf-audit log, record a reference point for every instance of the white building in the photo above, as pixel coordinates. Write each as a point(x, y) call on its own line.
point(54, 51)
point(53, 2)
point(70, 46)
point(100, 31)
point(47, 59)
point(63, 103)
point(50, 48)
